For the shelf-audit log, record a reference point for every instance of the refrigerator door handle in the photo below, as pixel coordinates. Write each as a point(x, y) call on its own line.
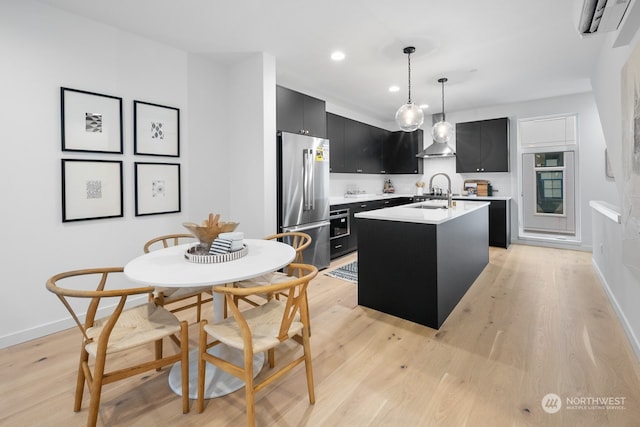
point(307, 180)
point(307, 227)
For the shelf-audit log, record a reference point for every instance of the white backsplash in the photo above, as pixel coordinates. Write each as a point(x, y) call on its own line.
point(406, 184)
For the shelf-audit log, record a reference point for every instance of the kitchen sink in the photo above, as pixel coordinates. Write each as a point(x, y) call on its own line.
point(430, 207)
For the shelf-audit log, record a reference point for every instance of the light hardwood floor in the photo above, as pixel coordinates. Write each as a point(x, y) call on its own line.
point(535, 322)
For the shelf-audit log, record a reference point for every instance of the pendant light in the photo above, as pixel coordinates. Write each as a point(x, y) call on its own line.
point(409, 116)
point(442, 131)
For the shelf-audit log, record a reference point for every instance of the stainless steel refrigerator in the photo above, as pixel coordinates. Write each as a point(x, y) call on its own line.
point(303, 192)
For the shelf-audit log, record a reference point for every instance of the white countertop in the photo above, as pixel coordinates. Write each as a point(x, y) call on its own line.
point(409, 213)
point(369, 197)
point(488, 198)
point(365, 198)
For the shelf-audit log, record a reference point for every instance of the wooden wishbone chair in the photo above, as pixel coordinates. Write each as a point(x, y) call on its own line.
point(260, 329)
point(299, 241)
point(121, 330)
point(173, 296)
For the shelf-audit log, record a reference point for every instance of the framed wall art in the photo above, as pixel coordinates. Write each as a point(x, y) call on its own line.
point(157, 188)
point(156, 130)
point(91, 122)
point(91, 189)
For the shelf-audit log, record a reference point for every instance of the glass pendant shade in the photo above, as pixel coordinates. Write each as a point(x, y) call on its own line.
point(442, 131)
point(409, 117)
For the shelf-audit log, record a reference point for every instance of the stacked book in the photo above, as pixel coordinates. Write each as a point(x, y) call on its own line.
point(226, 243)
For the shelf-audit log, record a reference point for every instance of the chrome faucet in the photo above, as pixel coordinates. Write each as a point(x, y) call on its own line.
point(449, 200)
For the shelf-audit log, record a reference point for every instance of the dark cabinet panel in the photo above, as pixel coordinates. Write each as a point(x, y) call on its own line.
point(300, 113)
point(363, 147)
point(495, 145)
point(468, 147)
point(339, 246)
point(315, 117)
point(399, 152)
point(499, 223)
point(482, 146)
point(335, 133)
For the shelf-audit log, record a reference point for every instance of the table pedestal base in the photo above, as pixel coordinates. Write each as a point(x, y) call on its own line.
point(216, 381)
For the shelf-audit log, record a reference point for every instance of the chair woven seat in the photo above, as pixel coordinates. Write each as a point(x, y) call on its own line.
point(135, 327)
point(264, 322)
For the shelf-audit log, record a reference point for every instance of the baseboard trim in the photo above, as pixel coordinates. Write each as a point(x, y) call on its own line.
point(57, 326)
point(633, 339)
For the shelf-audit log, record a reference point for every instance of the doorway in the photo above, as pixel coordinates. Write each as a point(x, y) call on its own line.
point(547, 152)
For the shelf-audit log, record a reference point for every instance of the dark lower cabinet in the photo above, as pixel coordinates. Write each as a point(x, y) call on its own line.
point(339, 246)
point(500, 223)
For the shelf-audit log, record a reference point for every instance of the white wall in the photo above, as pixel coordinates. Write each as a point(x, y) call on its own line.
point(43, 48)
point(619, 279)
point(252, 145)
point(206, 179)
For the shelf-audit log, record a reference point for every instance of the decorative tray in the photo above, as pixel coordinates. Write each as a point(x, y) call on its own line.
point(192, 255)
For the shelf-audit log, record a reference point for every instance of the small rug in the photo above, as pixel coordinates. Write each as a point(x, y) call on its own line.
point(347, 272)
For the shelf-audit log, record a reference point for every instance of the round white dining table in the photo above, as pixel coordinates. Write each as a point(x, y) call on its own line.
point(170, 268)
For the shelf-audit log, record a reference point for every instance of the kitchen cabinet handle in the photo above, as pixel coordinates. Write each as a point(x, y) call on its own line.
point(337, 246)
point(358, 170)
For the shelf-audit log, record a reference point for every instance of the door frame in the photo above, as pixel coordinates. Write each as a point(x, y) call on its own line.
point(566, 145)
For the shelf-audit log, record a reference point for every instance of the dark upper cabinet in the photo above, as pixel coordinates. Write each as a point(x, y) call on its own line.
point(300, 113)
point(399, 152)
point(357, 147)
point(483, 146)
point(362, 148)
point(335, 133)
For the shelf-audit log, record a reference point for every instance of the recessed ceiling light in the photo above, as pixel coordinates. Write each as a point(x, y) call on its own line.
point(394, 88)
point(424, 106)
point(337, 55)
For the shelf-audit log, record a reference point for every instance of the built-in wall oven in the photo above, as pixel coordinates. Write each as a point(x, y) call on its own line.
point(339, 223)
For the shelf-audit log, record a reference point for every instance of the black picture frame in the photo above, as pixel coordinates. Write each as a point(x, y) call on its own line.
point(156, 129)
point(157, 188)
point(91, 189)
point(90, 122)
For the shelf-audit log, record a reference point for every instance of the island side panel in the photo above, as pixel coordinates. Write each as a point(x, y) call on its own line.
point(463, 252)
point(397, 269)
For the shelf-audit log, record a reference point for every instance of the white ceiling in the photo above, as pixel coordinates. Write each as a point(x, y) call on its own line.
point(492, 51)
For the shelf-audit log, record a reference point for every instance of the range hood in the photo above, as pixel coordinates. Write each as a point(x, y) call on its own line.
point(437, 149)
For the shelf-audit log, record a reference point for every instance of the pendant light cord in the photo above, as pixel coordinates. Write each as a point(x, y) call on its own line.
point(443, 116)
point(409, 68)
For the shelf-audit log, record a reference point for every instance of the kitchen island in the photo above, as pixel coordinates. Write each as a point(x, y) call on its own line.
point(417, 261)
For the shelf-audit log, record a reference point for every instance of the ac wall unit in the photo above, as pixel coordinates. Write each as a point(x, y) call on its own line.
point(599, 16)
